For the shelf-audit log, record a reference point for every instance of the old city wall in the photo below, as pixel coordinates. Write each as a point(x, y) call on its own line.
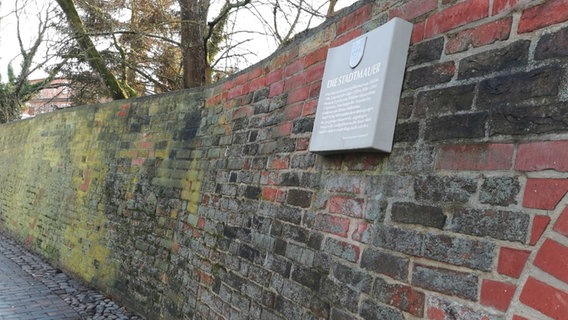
point(206, 204)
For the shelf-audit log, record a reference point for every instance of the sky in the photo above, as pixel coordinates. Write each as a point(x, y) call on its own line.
point(9, 48)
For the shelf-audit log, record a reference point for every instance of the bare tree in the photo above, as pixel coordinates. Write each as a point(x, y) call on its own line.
point(138, 47)
point(117, 89)
point(17, 90)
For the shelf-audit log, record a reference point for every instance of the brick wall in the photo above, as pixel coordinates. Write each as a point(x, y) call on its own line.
point(206, 204)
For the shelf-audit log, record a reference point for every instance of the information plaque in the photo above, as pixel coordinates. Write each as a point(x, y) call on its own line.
point(360, 91)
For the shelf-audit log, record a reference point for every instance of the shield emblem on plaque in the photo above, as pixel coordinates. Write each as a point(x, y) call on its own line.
point(357, 51)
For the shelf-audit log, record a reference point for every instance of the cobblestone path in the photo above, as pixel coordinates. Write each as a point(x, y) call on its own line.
point(30, 289)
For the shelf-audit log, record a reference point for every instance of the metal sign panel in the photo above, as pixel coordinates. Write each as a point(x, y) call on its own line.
point(360, 91)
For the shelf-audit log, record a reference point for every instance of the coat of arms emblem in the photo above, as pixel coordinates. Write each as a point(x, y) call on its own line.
point(357, 51)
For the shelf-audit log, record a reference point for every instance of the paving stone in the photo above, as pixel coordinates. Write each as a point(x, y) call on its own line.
point(31, 289)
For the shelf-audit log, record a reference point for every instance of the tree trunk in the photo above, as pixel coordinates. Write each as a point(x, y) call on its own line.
point(331, 8)
point(117, 90)
point(193, 32)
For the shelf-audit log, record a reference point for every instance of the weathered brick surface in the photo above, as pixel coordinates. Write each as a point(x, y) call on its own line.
point(479, 36)
point(513, 56)
point(512, 261)
point(455, 16)
point(536, 156)
point(207, 204)
point(443, 101)
point(546, 14)
point(497, 294)
point(553, 306)
point(476, 157)
point(463, 285)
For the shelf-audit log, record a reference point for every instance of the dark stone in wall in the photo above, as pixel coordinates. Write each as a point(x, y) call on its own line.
point(411, 213)
point(192, 120)
point(513, 120)
point(515, 88)
point(355, 278)
point(513, 56)
point(299, 198)
point(303, 125)
point(373, 311)
point(429, 75)
point(442, 101)
point(448, 282)
point(406, 132)
point(405, 107)
point(426, 51)
point(552, 45)
point(459, 126)
point(503, 225)
point(446, 248)
point(438, 189)
point(385, 263)
point(500, 191)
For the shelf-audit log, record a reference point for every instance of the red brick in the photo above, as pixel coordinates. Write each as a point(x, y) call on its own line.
point(294, 68)
point(332, 224)
point(413, 9)
point(516, 317)
point(235, 92)
point(295, 81)
point(347, 206)
point(310, 107)
point(299, 94)
point(302, 144)
point(549, 13)
point(269, 193)
point(293, 112)
point(255, 73)
point(539, 225)
point(278, 162)
point(346, 38)
point(137, 162)
point(542, 193)
point(402, 297)
point(315, 89)
point(479, 36)
point(228, 85)
point(512, 261)
point(538, 156)
point(355, 19)
point(502, 5)
point(436, 314)
point(257, 83)
point(214, 101)
point(146, 145)
point(242, 79)
point(552, 258)
point(315, 57)
point(269, 177)
point(457, 15)
point(273, 77)
point(545, 298)
point(276, 89)
point(561, 225)
point(475, 157)
point(315, 72)
point(497, 294)
point(417, 32)
point(282, 130)
point(361, 233)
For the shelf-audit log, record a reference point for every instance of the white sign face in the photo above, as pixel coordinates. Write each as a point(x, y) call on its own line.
point(360, 91)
